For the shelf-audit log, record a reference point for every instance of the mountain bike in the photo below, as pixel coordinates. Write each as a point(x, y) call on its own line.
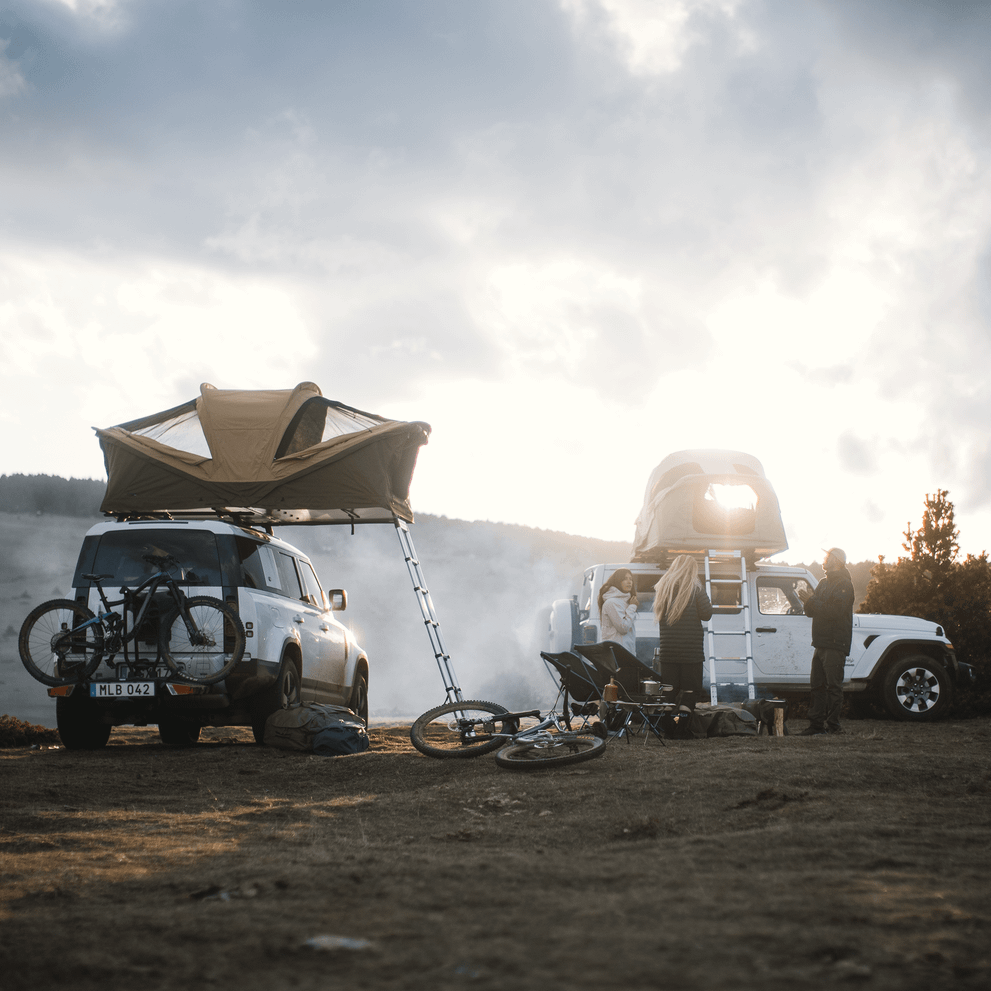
point(199, 638)
point(469, 729)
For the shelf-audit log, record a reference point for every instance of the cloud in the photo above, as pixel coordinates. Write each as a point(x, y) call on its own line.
point(856, 455)
point(599, 210)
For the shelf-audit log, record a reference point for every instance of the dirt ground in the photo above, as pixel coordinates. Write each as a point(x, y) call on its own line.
point(778, 862)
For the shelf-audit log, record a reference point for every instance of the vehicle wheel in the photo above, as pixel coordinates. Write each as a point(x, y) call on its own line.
point(49, 648)
point(358, 703)
point(917, 688)
point(572, 748)
point(210, 652)
point(461, 729)
point(178, 733)
point(285, 692)
point(79, 723)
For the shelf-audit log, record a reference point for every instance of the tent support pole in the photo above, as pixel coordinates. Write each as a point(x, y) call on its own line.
point(430, 621)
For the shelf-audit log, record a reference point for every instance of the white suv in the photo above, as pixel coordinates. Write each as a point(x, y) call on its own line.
point(296, 650)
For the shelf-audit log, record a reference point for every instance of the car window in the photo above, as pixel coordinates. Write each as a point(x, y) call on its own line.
point(133, 555)
point(258, 562)
point(778, 596)
point(311, 584)
point(645, 592)
point(287, 573)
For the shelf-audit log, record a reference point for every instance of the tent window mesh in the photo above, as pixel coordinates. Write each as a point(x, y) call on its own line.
point(319, 420)
point(183, 432)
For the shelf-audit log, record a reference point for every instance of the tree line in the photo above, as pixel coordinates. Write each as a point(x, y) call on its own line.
point(51, 495)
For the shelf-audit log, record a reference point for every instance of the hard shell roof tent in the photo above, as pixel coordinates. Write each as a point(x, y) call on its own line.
point(708, 499)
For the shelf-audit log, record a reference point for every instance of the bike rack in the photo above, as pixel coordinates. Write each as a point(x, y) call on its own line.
point(430, 621)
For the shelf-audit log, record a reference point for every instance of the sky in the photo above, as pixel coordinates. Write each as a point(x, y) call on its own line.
point(574, 236)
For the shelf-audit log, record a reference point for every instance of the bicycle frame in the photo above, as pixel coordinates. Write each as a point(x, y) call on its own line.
point(534, 734)
point(116, 623)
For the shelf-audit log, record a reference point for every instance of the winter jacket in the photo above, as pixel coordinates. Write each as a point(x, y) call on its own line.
point(619, 619)
point(682, 642)
point(831, 609)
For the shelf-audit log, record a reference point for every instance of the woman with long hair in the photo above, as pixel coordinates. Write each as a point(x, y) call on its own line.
point(680, 608)
point(618, 609)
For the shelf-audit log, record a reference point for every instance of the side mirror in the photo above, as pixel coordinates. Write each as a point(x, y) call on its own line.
point(338, 599)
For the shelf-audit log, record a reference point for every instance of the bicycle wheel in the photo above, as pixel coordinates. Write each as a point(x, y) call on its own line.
point(532, 755)
point(56, 645)
point(461, 729)
point(207, 653)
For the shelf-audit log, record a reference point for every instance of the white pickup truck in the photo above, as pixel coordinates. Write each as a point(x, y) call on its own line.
point(702, 502)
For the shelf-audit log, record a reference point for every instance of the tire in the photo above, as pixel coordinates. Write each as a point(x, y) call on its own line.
point(51, 652)
point(358, 702)
point(285, 692)
point(178, 733)
point(79, 723)
point(573, 748)
point(212, 658)
point(917, 689)
point(461, 729)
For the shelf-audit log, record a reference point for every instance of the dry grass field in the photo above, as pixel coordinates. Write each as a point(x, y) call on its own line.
point(773, 862)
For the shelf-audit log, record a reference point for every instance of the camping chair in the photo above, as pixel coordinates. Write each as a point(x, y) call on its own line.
point(614, 661)
point(581, 685)
point(617, 662)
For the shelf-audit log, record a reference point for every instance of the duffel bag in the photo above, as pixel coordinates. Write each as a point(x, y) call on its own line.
point(316, 727)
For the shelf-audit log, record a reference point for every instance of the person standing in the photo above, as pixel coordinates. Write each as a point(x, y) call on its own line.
point(618, 609)
point(680, 608)
point(831, 609)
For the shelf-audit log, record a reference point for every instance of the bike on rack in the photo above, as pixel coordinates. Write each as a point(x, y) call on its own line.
point(468, 729)
point(200, 638)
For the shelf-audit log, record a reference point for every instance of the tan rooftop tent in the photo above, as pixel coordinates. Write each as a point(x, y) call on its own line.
point(702, 500)
point(264, 457)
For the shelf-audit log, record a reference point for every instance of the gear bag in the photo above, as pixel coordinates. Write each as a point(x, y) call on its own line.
point(315, 727)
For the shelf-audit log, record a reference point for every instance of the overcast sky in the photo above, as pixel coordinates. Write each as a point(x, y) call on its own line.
point(572, 235)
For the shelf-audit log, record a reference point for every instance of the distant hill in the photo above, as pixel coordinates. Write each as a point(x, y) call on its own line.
point(50, 495)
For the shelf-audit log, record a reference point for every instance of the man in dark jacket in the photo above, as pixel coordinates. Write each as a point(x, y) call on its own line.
point(831, 609)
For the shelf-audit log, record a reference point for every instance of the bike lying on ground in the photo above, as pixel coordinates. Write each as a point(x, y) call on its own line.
point(468, 729)
point(200, 639)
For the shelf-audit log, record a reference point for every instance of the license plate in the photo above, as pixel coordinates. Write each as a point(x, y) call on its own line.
point(121, 689)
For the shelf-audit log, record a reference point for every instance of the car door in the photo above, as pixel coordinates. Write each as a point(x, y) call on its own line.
point(782, 632)
point(323, 671)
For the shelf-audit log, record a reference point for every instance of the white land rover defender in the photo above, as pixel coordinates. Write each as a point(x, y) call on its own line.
point(295, 648)
point(718, 506)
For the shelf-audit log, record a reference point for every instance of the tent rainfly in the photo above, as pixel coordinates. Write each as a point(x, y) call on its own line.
point(263, 457)
point(701, 500)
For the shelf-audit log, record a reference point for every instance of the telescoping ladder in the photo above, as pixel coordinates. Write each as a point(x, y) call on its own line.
point(429, 616)
point(736, 581)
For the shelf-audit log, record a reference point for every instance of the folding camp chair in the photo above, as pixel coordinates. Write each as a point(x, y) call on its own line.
point(618, 663)
point(581, 685)
point(614, 661)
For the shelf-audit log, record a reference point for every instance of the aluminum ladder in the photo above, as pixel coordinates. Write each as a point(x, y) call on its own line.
point(430, 621)
point(741, 630)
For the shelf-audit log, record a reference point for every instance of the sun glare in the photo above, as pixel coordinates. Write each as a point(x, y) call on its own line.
point(732, 496)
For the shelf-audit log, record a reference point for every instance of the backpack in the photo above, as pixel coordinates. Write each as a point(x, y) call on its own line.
point(315, 727)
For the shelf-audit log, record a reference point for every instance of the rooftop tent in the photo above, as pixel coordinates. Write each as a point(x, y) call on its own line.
point(697, 500)
point(269, 456)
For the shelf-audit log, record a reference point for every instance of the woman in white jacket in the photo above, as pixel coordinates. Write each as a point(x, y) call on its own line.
point(618, 609)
